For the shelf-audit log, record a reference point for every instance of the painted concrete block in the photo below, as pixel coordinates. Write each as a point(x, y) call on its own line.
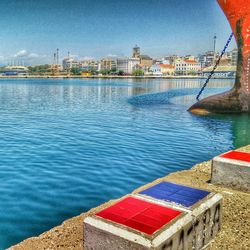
point(232, 169)
point(204, 207)
point(134, 223)
point(179, 194)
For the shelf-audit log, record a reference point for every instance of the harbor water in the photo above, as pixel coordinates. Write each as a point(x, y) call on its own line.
point(68, 145)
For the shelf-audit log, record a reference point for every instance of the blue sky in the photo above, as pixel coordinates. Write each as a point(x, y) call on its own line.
point(31, 30)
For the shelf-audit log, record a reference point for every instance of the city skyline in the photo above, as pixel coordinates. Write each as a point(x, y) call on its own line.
point(32, 30)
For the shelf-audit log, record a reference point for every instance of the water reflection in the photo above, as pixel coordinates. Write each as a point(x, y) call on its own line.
point(239, 125)
point(99, 90)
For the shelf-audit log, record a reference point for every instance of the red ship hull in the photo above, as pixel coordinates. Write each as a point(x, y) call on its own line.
point(238, 15)
point(238, 99)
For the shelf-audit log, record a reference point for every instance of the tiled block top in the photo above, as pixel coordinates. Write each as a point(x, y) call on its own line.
point(179, 194)
point(240, 156)
point(140, 215)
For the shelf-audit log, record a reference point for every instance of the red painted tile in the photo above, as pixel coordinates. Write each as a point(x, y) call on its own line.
point(150, 221)
point(112, 217)
point(139, 215)
point(140, 226)
point(150, 212)
point(240, 156)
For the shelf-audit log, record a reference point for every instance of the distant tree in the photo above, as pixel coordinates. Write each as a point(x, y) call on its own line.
point(39, 68)
point(138, 72)
point(113, 71)
point(192, 72)
point(120, 73)
point(76, 71)
point(85, 71)
point(105, 72)
point(93, 71)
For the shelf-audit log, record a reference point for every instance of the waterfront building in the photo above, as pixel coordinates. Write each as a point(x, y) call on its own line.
point(158, 61)
point(127, 65)
point(136, 52)
point(220, 71)
point(225, 60)
point(155, 70)
point(99, 66)
point(167, 69)
point(70, 63)
point(109, 64)
point(146, 61)
point(162, 69)
point(171, 59)
point(234, 57)
point(87, 65)
point(141, 67)
point(15, 70)
point(187, 67)
point(206, 59)
point(165, 62)
point(190, 57)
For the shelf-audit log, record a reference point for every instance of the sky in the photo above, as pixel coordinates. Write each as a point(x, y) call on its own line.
point(32, 30)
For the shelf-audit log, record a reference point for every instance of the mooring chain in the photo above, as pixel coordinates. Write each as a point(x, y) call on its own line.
point(215, 67)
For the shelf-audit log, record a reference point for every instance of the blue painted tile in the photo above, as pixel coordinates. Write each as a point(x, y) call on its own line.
point(179, 194)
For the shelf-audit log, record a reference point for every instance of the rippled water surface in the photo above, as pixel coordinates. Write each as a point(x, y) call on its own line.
point(69, 145)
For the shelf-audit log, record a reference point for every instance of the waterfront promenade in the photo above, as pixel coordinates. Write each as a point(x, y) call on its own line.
point(108, 77)
point(234, 233)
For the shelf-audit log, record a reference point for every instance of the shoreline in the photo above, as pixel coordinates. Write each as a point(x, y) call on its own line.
point(108, 77)
point(233, 235)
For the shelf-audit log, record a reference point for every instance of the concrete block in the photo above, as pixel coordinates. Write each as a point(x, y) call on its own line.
point(134, 223)
point(232, 169)
point(204, 207)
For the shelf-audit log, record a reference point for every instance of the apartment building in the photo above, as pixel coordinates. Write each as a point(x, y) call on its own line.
point(187, 67)
point(127, 65)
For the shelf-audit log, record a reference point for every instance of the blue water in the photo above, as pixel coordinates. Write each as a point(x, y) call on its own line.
point(69, 145)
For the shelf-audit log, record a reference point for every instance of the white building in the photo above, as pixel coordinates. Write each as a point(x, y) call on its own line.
point(161, 70)
point(88, 65)
point(187, 67)
point(155, 70)
point(15, 70)
point(108, 64)
point(70, 63)
point(207, 59)
point(234, 57)
point(127, 65)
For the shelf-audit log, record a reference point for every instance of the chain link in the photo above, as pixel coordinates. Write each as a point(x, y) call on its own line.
point(215, 67)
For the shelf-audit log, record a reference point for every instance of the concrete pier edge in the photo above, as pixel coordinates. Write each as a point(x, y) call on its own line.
point(236, 211)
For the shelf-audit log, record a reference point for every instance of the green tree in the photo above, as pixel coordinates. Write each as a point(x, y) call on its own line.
point(104, 72)
point(76, 71)
point(39, 68)
point(138, 72)
point(192, 72)
point(93, 71)
point(113, 71)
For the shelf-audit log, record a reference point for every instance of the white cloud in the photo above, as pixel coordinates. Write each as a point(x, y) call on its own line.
point(74, 56)
point(22, 53)
point(44, 56)
point(112, 55)
point(27, 57)
point(88, 58)
point(32, 55)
